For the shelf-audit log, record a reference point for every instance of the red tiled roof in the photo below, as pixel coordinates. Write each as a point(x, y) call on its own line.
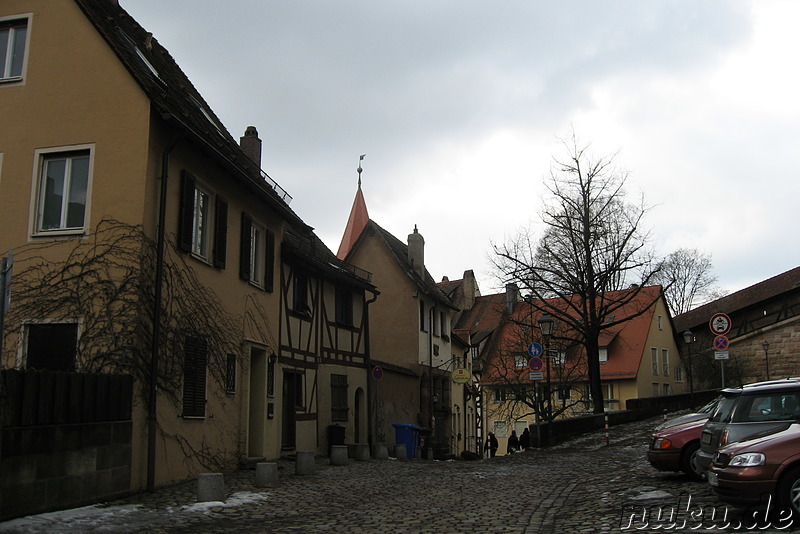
point(730, 304)
point(626, 342)
point(355, 224)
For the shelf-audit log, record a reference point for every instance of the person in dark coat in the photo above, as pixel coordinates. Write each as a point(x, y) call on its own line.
point(513, 443)
point(491, 444)
point(525, 439)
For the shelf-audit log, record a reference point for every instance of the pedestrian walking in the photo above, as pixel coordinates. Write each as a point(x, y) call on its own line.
point(525, 439)
point(513, 443)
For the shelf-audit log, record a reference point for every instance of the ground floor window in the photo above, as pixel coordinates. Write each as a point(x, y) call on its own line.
point(195, 354)
point(52, 346)
point(339, 408)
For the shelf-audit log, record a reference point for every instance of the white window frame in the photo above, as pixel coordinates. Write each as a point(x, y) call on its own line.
point(258, 245)
point(202, 221)
point(520, 425)
point(500, 428)
point(5, 74)
point(603, 354)
point(654, 360)
point(37, 190)
point(521, 360)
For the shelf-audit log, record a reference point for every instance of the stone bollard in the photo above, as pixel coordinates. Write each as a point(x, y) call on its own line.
point(210, 487)
point(379, 451)
point(400, 452)
point(362, 452)
point(266, 474)
point(304, 464)
point(338, 454)
point(428, 454)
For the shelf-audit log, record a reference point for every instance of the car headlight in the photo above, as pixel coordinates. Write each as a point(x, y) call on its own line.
point(747, 459)
point(662, 443)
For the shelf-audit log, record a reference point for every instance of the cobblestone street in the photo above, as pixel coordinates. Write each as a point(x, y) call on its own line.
point(578, 486)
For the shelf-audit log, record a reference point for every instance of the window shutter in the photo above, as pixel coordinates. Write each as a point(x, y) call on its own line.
point(194, 377)
point(244, 253)
point(220, 232)
point(186, 219)
point(269, 261)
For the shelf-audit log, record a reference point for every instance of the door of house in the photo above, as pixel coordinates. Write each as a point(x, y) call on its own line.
point(288, 404)
point(257, 415)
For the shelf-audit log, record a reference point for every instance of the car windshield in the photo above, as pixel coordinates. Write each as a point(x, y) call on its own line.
point(723, 411)
point(777, 406)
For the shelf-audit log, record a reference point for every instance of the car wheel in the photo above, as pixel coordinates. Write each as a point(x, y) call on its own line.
point(689, 462)
point(789, 490)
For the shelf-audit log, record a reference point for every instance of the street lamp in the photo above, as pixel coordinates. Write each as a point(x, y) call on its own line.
point(546, 326)
point(766, 355)
point(688, 338)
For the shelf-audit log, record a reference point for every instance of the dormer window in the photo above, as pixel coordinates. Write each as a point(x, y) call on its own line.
point(603, 354)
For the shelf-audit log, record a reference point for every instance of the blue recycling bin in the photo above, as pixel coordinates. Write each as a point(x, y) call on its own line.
point(407, 435)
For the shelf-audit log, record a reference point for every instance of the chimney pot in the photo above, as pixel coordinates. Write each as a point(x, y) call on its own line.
point(251, 145)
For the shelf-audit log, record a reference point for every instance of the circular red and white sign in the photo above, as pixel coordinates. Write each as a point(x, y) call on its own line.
point(720, 324)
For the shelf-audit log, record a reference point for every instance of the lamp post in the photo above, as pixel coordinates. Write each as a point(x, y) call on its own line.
point(766, 355)
point(688, 338)
point(546, 326)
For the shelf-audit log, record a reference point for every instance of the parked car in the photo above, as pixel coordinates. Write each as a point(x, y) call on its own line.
point(675, 442)
point(747, 411)
point(745, 472)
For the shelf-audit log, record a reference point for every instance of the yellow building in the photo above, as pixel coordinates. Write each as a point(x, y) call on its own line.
point(146, 238)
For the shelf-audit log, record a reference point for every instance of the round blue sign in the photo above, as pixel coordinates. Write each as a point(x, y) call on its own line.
point(535, 350)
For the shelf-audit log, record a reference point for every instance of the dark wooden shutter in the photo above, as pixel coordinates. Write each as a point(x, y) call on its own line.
point(269, 261)
point(194, 377)
point(186, 218)
point(220, 232)
point(339, 408)
point(244, 253)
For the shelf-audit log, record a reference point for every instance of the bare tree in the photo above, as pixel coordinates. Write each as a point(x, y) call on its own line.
point(592, 247)
point(688, 280)
point(507, 373)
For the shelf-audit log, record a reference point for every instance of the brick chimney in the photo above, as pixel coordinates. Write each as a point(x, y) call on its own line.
point(512, 297)
point(416, 252)
point(251, 145)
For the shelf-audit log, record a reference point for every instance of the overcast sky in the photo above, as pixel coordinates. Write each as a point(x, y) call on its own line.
point(459, 107)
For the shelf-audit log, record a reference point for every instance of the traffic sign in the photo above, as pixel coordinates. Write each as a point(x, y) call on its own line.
point(721, 343)
point(535, 364)
point(535, 350)
point(536, 375)
point(722, 355)
point(377, 373)
point(720, 324)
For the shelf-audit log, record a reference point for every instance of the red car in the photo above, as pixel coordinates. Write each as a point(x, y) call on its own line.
point(749, 471)
point(675, 447)
point(675, 442)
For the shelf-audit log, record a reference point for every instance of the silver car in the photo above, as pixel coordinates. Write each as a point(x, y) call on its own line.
point(747, 411)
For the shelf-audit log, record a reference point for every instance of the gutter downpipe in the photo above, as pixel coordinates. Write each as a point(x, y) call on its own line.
point(159, 283)
point(368, 360)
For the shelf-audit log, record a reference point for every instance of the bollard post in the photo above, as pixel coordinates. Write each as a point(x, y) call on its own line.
point(304, 463)
point(400, 452)
point(606, 424)
point(362, 452)
point(266, 474)
point(210, 487)
point(665, 415)
point(338, 454)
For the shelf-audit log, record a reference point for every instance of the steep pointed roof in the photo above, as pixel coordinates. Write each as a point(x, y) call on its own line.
point(355, 223)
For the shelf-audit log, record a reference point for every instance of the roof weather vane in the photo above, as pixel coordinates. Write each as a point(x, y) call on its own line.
point(360, 159)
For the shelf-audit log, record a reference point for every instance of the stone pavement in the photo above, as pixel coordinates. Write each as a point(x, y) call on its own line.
point(578, 486)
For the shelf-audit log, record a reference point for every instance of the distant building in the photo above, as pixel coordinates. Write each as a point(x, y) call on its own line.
point(764, 334)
